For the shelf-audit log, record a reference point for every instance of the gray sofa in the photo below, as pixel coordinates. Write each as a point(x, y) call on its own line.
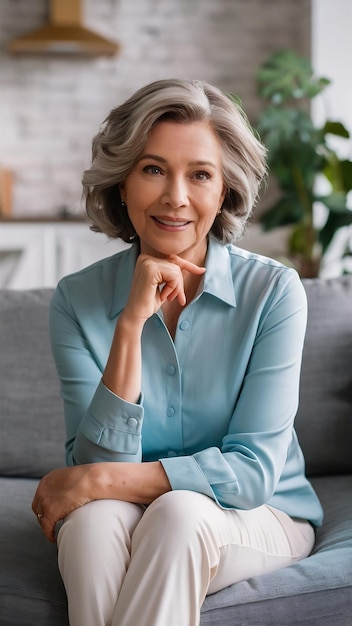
point(314, 592)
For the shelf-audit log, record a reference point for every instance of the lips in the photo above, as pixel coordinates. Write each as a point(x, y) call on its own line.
point(170, 222)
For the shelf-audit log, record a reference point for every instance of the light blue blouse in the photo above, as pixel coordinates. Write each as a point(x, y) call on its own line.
point(217, 404)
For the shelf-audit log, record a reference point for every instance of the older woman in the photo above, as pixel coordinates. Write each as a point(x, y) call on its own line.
point(179, 360)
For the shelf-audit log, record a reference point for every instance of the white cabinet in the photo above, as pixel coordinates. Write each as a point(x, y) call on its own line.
point(38, 254)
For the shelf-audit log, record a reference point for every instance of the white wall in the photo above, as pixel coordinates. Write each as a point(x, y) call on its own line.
point(331, 57)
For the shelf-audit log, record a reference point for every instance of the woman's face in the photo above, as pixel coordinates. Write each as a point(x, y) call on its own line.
point(175, 190)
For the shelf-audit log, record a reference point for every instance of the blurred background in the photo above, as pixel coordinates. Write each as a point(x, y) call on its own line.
point(56, 91)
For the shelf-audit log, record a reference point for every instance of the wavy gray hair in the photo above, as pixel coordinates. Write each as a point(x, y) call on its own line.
point(120, 143)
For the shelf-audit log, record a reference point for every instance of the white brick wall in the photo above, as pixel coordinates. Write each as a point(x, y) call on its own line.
point(52, 106)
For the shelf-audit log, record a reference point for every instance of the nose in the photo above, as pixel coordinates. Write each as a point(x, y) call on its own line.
point(175, 192)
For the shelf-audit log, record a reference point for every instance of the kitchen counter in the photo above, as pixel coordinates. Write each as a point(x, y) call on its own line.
point(36, 252)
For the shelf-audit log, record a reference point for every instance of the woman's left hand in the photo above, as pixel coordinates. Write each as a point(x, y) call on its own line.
point(59, 493)
point(63, 490)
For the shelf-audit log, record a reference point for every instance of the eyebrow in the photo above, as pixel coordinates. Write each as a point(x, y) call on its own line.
point(160, 159)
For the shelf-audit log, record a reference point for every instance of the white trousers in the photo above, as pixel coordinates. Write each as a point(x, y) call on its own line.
point(126, 565)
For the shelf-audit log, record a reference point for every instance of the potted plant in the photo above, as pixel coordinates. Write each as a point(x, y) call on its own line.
point(299, 153)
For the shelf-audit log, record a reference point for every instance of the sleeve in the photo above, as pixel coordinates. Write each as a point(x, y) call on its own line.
point(100, 426)
point(245, 472)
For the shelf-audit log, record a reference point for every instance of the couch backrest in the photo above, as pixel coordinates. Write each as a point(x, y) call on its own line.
point(31, 413)
point(31, 416)
point(324, 419)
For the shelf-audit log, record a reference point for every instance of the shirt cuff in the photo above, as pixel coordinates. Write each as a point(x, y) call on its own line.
point(113, 423)
point(184, 472)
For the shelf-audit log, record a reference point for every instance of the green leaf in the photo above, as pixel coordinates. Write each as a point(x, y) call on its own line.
point(287, 76)
point(292, 139)
point(346, 168)
point(286, 211)
point(334, 222)
point(338, 173)
point(335, 202)
point(335, 128)
point(300, 240)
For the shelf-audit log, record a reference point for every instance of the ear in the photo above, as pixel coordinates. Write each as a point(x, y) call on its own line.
point(122, 191)
point(222, 196)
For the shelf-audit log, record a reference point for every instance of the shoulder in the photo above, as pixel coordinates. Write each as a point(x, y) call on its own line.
point(265, 278)
point(257, 267)
point(269, 288)
point(97, 282)
point(105, 267)
point(252, 261)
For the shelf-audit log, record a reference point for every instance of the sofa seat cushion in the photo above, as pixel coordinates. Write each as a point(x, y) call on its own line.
point(314, 592)
point(31, 590)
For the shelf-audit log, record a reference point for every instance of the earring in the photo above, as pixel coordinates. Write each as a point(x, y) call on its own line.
point(123, 204)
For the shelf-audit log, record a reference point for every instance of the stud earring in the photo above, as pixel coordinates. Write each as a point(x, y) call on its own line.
point(123, 204)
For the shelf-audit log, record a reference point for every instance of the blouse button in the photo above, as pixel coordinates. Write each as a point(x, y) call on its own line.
point(132, 422)
point(170, 411)
point(171, 369)
point(184, 325)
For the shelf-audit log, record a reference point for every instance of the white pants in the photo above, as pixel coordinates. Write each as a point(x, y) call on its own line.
point(126, 565)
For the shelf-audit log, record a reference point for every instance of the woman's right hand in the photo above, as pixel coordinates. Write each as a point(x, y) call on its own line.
point(155, 281)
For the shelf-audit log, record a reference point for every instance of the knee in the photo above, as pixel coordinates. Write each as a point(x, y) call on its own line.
point(84, 526)
point(99, 523)
point(177, 514)
point(177, 527)
point(88, 518)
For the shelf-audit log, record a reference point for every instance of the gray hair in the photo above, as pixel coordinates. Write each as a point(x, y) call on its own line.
point(120, 143)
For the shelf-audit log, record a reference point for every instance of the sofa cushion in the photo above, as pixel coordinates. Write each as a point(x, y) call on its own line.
point(31, 410)
point(31, 590)
point(314, 592)
point(324, 419)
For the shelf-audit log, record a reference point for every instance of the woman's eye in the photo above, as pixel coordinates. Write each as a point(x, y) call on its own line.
point(202, 175)
point(152, 169)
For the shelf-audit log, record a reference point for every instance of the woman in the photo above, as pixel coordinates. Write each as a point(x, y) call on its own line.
point(179, 361)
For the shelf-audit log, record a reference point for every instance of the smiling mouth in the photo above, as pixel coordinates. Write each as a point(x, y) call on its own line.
point(174, 223)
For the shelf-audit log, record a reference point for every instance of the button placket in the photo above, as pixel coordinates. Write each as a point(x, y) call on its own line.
point(168, 399)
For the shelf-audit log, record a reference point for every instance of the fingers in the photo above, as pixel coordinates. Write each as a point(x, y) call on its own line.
point(35, 505)
point(47, 526)
point(157, 280)
point(186, 265)
point(170, 293)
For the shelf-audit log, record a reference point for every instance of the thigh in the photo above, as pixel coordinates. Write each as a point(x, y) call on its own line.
point(94, 545)
point(239, 544)
point(259, 541)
